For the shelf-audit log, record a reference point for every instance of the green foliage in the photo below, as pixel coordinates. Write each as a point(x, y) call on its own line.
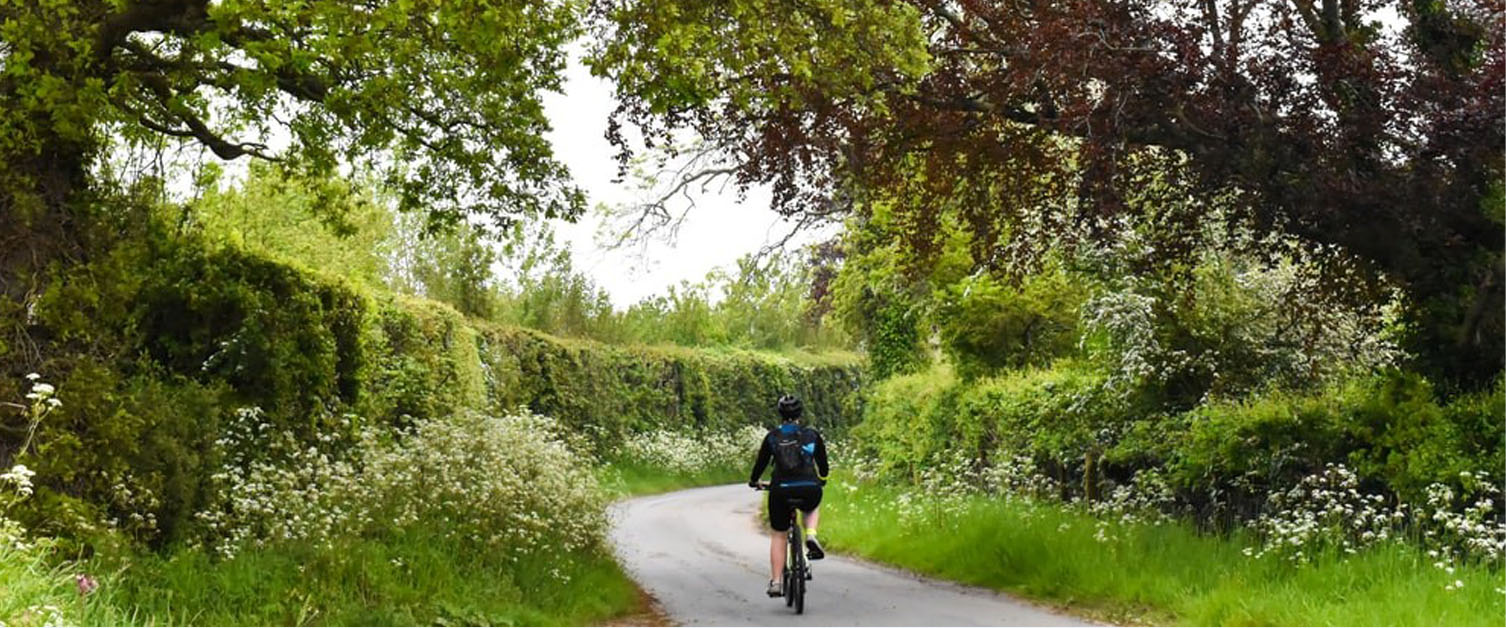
point(345, 229)
point(1055, 416)
point(426, 361)
point(1391, 429)
point(1231, 325)
point(627, 479)
point(878, 301)
point(550, 295)
point(453, 267)
point(325, 224)
point(760, 307)
point(419, 91)
point(40, 592)
point(282, 338)
point(128, 449)
point(157, 338)
point(671, 58)
point(608, 391)
point(987, 324)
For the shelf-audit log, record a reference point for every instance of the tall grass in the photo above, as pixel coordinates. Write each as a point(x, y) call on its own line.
point(36, 591)
point(406, 579)
point(1143, 572)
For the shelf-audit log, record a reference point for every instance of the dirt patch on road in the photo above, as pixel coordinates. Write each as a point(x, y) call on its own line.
point(648, 613)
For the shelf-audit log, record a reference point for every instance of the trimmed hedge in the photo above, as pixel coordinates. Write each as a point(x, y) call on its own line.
point(151, 346)
point(606, 391)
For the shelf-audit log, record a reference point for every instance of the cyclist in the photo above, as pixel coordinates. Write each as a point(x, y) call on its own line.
point(799, 456)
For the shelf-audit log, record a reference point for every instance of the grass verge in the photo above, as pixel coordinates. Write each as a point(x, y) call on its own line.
point(626, 479)
point(406, 580)
point(1164, 574)
point(402, 579)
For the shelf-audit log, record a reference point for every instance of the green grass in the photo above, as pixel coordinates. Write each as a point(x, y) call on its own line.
point(1159, 574)
point(401, 579)
point(34, 591)
point(398, 580)
point(409, 580)
point(624, 479)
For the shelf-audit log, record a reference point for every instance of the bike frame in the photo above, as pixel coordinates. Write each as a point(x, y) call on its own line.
point(796, 568)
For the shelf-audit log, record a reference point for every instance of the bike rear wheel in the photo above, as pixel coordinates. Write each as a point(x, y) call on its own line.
point(789, 571)
point(797, 545)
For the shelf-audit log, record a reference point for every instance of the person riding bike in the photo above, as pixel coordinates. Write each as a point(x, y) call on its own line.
point(800, 469)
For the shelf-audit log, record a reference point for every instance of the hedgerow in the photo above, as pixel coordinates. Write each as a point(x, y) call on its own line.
point(157, 340)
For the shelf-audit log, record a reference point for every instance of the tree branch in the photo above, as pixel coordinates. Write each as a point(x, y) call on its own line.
point(1210, 15)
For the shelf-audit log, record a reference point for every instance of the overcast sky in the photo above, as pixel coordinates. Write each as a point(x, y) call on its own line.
point(717, 232)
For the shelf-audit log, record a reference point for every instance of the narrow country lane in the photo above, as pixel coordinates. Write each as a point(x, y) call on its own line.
point(699, 552)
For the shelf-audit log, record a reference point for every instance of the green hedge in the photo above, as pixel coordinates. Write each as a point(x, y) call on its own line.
point(606, 391)
point(1391, 429)
point(153, 344)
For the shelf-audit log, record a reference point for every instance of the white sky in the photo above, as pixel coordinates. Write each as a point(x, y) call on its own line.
point(717, 232)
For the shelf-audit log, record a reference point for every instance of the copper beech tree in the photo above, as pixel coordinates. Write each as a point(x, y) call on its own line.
point(1370, 128)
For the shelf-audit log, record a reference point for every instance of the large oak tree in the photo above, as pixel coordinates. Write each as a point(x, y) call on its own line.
point(441, 97)
point(1372, 127)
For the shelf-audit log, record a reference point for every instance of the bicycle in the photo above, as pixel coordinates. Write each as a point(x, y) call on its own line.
point(797, 569)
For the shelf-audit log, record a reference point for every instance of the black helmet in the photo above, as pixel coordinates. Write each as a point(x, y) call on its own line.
point(789, 407)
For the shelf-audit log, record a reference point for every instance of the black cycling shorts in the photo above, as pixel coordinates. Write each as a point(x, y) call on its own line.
point(783, 498)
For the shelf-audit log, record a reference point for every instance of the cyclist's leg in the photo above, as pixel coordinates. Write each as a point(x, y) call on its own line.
point(811, 519)
point(779, 520)
point(778, 547)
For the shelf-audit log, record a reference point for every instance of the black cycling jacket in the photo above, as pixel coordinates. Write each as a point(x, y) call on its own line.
point(766, 454)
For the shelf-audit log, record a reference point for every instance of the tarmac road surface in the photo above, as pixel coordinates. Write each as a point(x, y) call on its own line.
point(701, 555)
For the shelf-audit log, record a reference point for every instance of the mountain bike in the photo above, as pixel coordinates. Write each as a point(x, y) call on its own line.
point(797, 569)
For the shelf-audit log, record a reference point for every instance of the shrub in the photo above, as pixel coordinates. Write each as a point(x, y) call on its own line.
point(1224, 462)
point(1054, 416)
point(689, 452)
point(1390, 428)
point(501, 484)
point(987, 324)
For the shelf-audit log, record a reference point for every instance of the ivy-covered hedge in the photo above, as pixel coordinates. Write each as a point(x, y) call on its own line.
point(152, 346)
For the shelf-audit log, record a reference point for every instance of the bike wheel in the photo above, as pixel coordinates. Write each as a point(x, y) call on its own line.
point(791, 567)
point(789, 586)
point(800, 568)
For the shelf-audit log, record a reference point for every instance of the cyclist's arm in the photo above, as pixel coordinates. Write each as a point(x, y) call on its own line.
point(765, 454)
point(821, 467)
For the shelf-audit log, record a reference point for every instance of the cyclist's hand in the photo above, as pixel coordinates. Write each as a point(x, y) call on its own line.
point(822, 480)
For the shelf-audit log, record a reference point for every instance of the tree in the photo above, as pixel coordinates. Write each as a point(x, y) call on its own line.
point(1315, 118)
point(440, 97)
point(333, 225)
point(453, 267)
